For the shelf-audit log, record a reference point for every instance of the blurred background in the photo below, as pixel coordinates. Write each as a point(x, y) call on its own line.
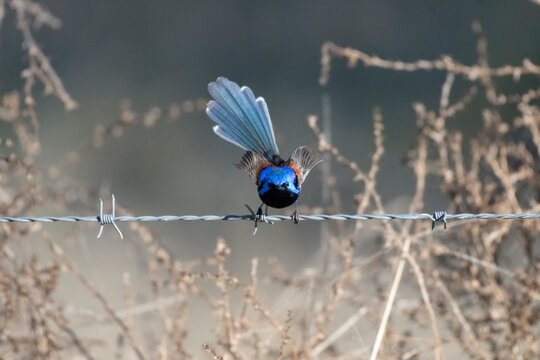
point(153, 54)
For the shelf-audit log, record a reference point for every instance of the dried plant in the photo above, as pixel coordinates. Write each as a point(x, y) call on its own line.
point(475, 287)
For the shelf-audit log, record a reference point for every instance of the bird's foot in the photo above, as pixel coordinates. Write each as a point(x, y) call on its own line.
point(258, 216)
point(295, 217)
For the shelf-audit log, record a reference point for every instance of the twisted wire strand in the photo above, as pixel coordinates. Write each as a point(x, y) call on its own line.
point(105, 219)
point(315, 217)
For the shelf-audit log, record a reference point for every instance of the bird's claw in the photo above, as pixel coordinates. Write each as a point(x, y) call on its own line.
point(258, 216)
point(295, 217)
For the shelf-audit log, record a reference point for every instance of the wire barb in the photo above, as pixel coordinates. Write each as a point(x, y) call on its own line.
point(438, 216)
point(107, 218)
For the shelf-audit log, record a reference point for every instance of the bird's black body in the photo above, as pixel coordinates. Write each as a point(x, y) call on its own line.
point(278, 197)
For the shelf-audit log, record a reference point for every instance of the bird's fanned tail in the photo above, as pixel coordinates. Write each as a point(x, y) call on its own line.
point(241, 119)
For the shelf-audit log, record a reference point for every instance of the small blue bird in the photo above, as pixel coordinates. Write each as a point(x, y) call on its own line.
point(244, 121)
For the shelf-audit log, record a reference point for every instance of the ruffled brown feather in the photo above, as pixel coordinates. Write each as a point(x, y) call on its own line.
point(302, 161)
point(252, 163)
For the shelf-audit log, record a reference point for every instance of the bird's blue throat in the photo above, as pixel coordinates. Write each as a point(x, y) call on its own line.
point(278, 186)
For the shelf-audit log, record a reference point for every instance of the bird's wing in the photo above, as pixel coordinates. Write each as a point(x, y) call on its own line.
point(252, 162)
point(303, 161)
point(241, 119)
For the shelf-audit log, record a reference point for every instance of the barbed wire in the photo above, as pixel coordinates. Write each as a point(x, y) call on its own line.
point(105, 219)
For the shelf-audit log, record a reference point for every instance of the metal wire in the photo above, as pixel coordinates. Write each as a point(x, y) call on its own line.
point(104, 219)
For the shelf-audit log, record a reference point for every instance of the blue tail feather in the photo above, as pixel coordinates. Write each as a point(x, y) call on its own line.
point(234, 129)
point(241, 119)
point(229, 98)
point(262, 113)
point(219, 132)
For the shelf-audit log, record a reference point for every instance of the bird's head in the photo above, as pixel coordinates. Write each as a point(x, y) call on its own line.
point(278, 177)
